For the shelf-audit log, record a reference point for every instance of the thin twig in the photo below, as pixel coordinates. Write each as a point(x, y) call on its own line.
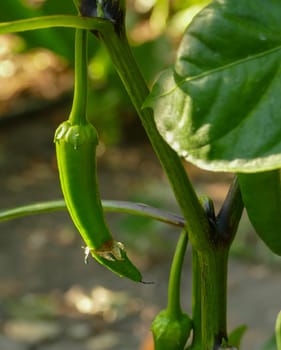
point(139, 209)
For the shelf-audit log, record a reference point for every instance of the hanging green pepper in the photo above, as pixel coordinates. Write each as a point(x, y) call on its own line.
point(171, 327)
point(76, 141)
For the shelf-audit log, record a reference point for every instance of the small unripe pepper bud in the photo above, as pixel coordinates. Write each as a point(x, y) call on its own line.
point(171, 327)
point(170, 333)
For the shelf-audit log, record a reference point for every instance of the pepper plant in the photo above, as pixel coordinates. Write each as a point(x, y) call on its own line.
point(217, 107)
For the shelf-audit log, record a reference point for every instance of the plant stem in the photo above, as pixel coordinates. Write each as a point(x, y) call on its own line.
point(22, 25)
point(210, 275)
point(210, 316)
point(213, 273)
point(174, 305)
point(196, 302)
point(109, 206)
point(196, 221)
point(79, 105)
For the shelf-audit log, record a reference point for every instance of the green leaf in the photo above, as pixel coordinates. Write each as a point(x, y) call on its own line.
point(220, 106)
point(261, 194)
point(236, 335)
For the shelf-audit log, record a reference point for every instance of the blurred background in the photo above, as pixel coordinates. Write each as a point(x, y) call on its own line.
point(49, 299)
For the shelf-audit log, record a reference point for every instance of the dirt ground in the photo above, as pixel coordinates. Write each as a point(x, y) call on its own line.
point(50, 300)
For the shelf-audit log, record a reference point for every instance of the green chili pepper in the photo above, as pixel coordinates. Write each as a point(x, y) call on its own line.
point(171, 327)
point(76, 141)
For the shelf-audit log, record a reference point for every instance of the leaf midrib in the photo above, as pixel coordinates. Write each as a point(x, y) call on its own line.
point(221, 68)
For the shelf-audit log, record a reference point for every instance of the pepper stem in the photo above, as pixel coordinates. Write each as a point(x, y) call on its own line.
point(174, 307)
point(79, 106)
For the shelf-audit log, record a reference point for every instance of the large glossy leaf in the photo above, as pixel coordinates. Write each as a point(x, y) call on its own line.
point(220, 106)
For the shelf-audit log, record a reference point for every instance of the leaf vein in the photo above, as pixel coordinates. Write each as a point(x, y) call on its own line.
point(229, 65)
